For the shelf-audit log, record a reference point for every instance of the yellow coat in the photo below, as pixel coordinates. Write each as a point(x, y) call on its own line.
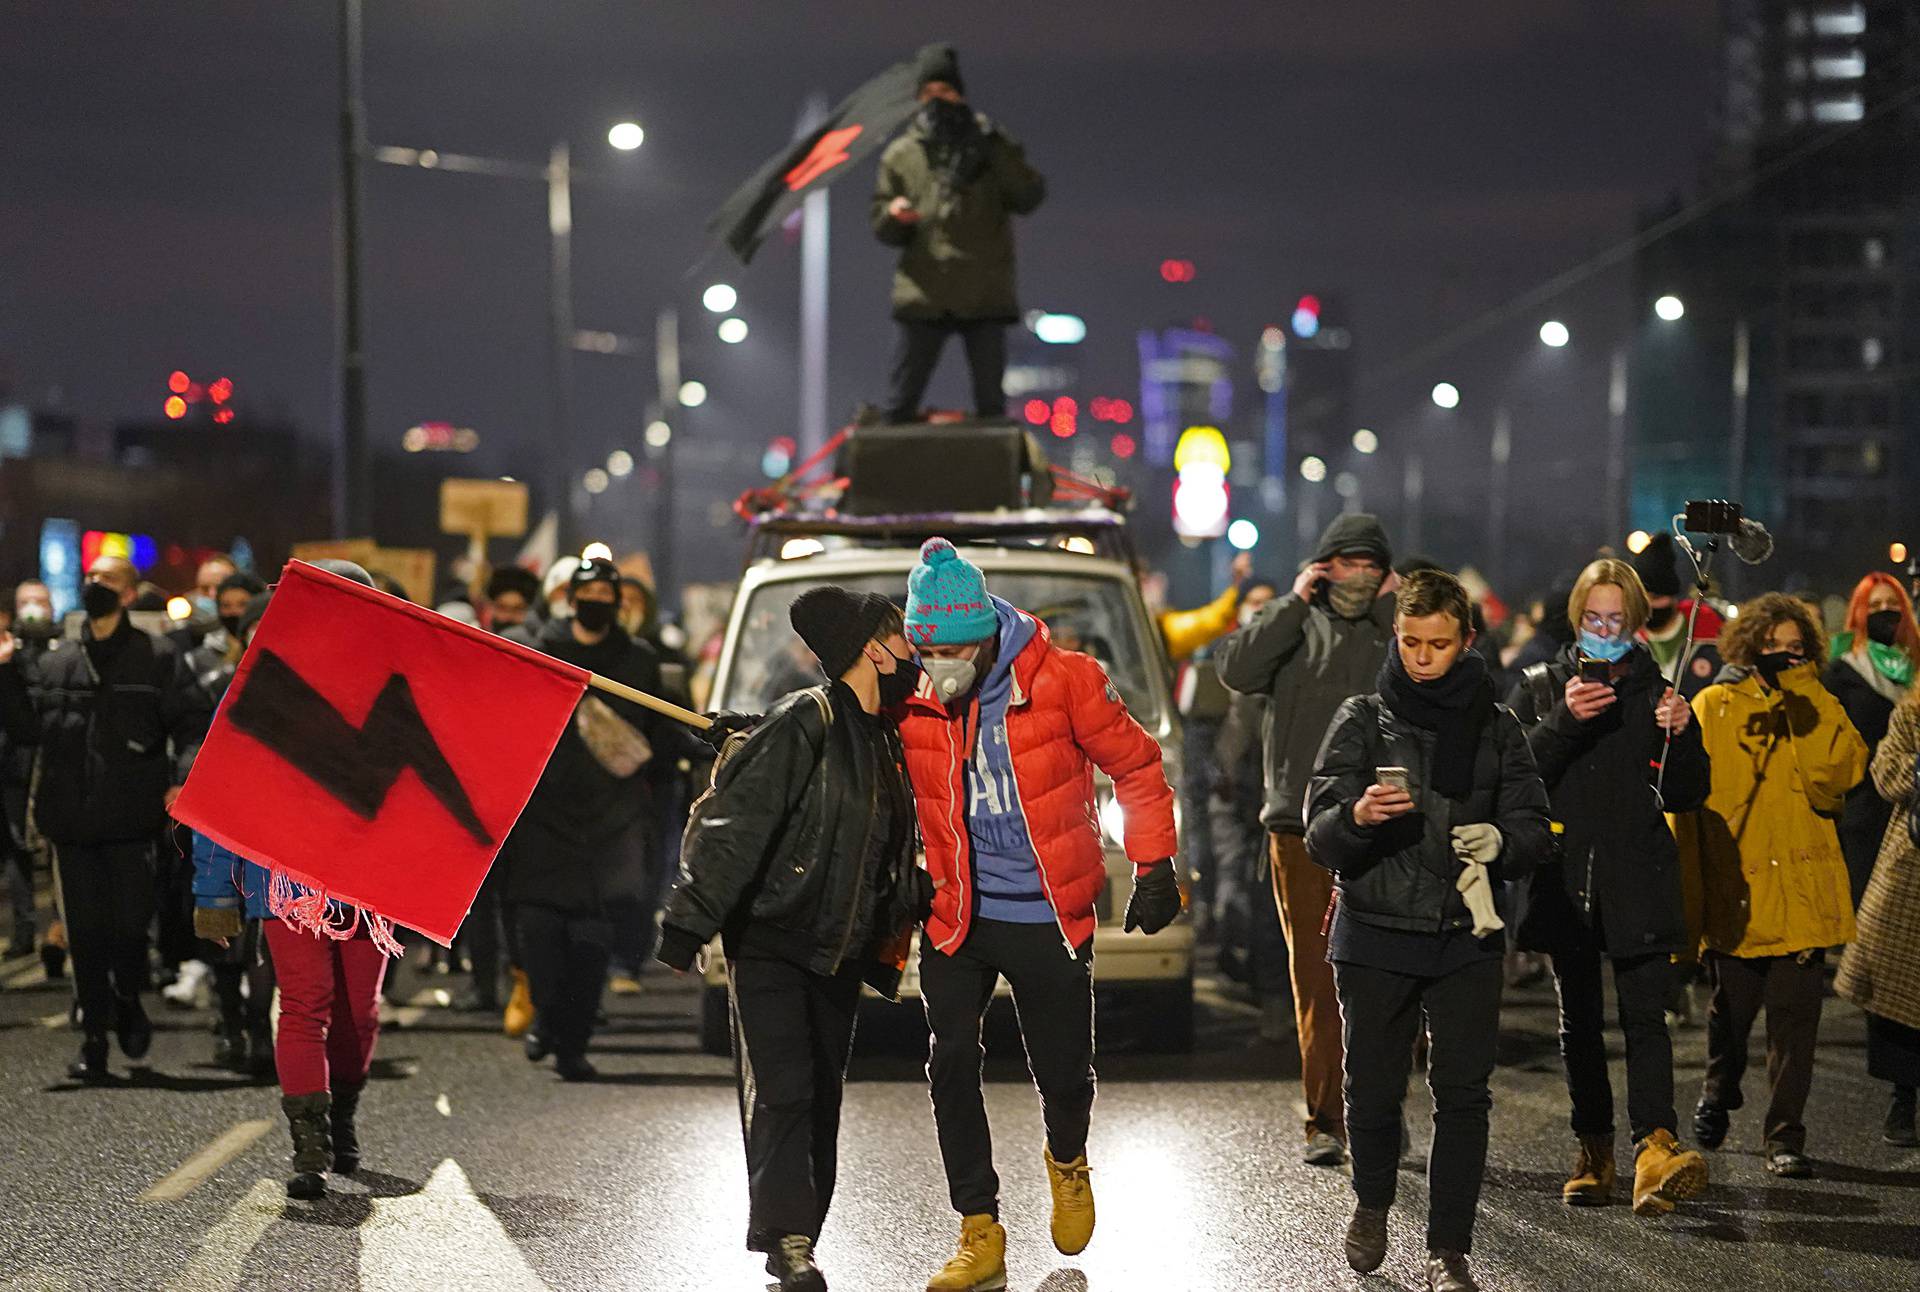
point(1186, 631)
point(1771, 878)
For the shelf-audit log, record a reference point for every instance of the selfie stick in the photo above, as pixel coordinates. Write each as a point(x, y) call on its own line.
point(1702, 567)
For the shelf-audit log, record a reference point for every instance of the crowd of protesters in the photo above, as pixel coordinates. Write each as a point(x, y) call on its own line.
point(1409, 798)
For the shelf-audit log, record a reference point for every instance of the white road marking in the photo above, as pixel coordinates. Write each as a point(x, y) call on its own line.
point(443, 1106)
point(444, 1238)
point(216, 1266)
point(416, 1007)
point(193, 1172)
point(52, 1021)
point(28, 973)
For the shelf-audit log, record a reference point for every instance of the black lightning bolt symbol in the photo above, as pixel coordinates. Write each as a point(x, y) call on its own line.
point(281, 710)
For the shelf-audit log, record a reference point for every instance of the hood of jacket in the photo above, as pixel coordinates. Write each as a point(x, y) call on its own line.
point(1357, 532)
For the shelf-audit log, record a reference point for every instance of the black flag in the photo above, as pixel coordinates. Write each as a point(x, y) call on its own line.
point(862, 122)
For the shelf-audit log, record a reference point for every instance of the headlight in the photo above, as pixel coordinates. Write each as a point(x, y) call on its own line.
point(1113, 822)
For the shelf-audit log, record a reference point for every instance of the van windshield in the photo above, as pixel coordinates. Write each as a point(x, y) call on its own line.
point(1095, 615)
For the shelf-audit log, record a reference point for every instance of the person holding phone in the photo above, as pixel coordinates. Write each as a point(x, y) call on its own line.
point(1405, 857)
point(1617, 750)
point(1305, 654)
point(1772, 876)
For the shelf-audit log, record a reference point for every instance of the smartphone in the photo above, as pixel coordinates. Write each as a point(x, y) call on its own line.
point(1394, 778)
point(1596, 670)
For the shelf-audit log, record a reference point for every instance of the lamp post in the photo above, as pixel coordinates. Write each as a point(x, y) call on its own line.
point(352, 512)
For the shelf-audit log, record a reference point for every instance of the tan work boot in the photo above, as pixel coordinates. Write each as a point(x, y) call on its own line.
point(1072, 1185)
point(1664, 1173)
point(981, 1263)
point(1591, 1183)
point(517, 1018)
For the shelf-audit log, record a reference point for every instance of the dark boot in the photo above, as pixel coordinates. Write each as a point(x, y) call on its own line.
point(1367, 1239)
point(312, 1144)
point(53, 958)
point(1448, 1272)
point(131, 1025)
point(1899, 1130)
point(230, 1046)
point(1710, 1125)
point(346, 1138)
point(792, 1263)
point(92, 1063)
point(574, 1067)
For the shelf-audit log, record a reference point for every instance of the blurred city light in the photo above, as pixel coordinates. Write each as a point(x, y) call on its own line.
point(1365, 441)
point(1670, 308)
point(619, 464)
point(1176, 271)
point(1554, 333)
point(733, 331)
point(1243, 534)
point(795, 548)
point(175, 407)
point(1066, 417)
point(596, 552)
point(1638, 540)
point(179, 608)
point(1057, 329)
point(1306, 317)
point(626, 136)
point(1110, 410)
point(720, 298)
point(177, 382)
point(1037, 412)
point(1446, 395)
point(692, 394)
point(596, 480)
point(1313, 469)
point(1897, 553)
point(1124, 445)
point(658, 434)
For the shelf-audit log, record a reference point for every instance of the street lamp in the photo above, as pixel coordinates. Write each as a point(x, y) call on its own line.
point(1670, 308)
point(719, 298)
point(733, 330)
point(658, 435)
point(692, 394)
point(1554, 333)
point(1446, 395)
point(1365, 441)
point(626, 136)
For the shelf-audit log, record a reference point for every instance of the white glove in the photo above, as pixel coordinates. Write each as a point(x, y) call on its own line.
point(1479, 842)
point(1478, 892)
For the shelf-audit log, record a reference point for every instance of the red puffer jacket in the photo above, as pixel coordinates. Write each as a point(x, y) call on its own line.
point(1063, 720)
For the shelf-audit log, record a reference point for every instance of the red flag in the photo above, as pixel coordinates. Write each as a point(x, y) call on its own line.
point(375, 752)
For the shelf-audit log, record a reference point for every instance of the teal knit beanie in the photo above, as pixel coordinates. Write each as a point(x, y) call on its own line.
point(947, 602)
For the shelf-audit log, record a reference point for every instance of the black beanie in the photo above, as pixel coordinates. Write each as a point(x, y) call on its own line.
point(938, 63)
point(1658, 568)
point(836, 623)
point(598, 570)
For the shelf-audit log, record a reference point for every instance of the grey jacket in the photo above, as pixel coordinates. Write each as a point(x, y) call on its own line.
point(1307, 661)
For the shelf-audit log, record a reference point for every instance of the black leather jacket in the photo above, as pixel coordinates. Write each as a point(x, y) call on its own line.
point(1401, 874)
point(804, 847)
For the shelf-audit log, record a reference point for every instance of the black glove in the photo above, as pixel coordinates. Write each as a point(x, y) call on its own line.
point(1155, 900)
point(917, 900)
point(726, 724)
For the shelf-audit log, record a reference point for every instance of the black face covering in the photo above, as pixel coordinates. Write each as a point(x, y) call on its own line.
point(1883, 626)
point(898, 686)
point(231, 623)
point(594, 616)
point(99, 600)
point(1662, 617)
point(1771, 664)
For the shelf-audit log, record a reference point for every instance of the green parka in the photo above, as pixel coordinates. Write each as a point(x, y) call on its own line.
point(956, 261)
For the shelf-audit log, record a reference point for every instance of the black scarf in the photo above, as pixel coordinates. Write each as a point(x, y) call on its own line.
point(1455, 708)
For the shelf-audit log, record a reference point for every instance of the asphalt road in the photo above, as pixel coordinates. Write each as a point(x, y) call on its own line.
point(486, 1172)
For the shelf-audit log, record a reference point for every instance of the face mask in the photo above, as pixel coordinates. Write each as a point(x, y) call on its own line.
point(951, 677)
point(1354, 595)
point(1771, 664)
point(206, 608)
point(231, 623)
point(1883, 626)
point(898, 686)
point(594, 616)
point(99, 600)
point(1610, 649)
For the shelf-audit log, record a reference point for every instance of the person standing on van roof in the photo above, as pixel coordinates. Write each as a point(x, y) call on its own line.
point(1306, 654)
point(801, 858)
point(1001, 744)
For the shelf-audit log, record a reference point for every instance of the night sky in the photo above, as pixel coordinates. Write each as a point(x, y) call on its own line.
point(169, 187)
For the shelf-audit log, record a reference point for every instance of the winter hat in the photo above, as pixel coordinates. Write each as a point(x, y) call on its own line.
point(1657, 567)
point(836, 623)
point(938, 63)
point(597, 570)
point(947, 602)
point(347, 570)
point(513, 578)
point(557, 575)
point(1357, 534)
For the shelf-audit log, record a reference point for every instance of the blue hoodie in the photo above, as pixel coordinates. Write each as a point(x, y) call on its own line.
point(1006, 870)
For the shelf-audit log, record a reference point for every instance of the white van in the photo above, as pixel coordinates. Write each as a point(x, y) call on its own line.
point(1072, 569)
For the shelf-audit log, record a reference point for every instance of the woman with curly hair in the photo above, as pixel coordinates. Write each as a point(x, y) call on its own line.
point(1870, 668)
point(1774, 883)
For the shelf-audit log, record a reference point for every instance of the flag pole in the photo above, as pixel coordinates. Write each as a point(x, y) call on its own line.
point(699, 722)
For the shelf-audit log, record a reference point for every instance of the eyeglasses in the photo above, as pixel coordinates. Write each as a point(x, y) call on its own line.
point(1595, 623)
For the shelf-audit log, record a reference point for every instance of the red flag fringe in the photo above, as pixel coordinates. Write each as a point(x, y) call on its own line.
point(308, 909)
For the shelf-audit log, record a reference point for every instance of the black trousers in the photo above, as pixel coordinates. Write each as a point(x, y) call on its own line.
point(792, 1033)
point(244, 960)
point(1380, 1013)
point(481, 935)
point(917, 352)
point(1893, 1051)
point(1789, 989)
point(565, 957)
point(1053, 996)
point(107, 892)
point(17, 857)
point(1643, 985)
